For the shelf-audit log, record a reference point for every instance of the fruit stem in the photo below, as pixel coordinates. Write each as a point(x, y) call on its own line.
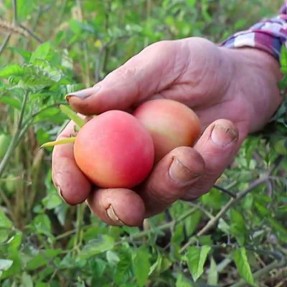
point(72, 116)
point(59, 142)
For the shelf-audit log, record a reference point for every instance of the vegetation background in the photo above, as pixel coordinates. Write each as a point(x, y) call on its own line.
point(236, 235)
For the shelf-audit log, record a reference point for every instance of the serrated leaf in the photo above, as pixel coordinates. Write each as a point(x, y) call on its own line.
point(241, 261)
point(196, 258)
point(12, 70)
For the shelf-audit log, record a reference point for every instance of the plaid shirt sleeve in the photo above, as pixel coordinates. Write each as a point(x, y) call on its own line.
point(268, 35)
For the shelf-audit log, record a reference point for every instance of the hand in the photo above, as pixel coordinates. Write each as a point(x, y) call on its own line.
point(234, 93)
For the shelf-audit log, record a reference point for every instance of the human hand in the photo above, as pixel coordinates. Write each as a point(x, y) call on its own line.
point(234, 93)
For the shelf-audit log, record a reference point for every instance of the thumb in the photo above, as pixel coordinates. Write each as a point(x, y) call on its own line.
point(218, 146)
point(143, 76)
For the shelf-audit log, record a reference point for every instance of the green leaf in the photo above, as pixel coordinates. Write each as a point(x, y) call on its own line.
point(3, 235)
point(212, 273)
point(141, 265)
point(223, 226)
point(112, 257)
point(42, 258)
point(4, 220)
point(191, 224)
point(280, 146)
point(27, 280)
point(241, 261)
point(42, 224)
point(5, 264)
point(5, 140)
point(52, 200)
point(279, 229)
point(24, 8)
point(238, 226)
point(12, 70)
point(283, 59)
point(97, 246)
point(15, 242)
point(47, 114)
point(72, 116)
point(182, 281)
point(196, 258)
point(160, 265)
point(41, 52)
point(14, 103)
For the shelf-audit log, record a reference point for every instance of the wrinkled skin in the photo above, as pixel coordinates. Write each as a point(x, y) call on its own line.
point(234, 93)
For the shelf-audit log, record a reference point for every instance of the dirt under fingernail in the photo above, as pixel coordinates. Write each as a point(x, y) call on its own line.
point(113, 216)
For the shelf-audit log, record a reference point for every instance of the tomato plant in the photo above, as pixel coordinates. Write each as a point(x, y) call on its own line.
point(233, 236)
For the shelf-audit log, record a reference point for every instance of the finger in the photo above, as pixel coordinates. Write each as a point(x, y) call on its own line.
point(171, 179)
point(218, 146)
point(117, 206)
point(147, 73)
point(72, 185)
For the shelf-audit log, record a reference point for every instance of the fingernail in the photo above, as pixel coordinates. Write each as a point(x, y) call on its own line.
point(60, 193)
point(83, 94)
point(223, 136)
point(113, 216)
point(180, 173)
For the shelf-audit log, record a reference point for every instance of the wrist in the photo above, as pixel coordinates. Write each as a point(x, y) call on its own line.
point(257, 75)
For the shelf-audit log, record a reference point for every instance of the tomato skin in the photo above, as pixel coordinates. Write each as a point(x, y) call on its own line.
point(171, 124)
point(114, 150)
point(4, 144)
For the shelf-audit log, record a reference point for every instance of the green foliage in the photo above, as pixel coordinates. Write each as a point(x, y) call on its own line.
point(242, 263)
point(196, 257)
point(233, 236)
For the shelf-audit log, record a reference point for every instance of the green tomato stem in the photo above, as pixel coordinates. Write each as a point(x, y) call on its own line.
point(59, 142)
point(72, 116)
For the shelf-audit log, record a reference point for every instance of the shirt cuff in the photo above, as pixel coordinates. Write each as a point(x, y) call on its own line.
point(268, 35)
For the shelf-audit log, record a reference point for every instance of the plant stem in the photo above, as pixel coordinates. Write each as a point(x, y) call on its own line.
point(224, 190)
point(5, 42)
point(163, 226)
point(79, 231)
point(15, 14)
point(225, 208)
point(18, 134)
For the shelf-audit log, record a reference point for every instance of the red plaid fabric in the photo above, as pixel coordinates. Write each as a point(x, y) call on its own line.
point(268, 35)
